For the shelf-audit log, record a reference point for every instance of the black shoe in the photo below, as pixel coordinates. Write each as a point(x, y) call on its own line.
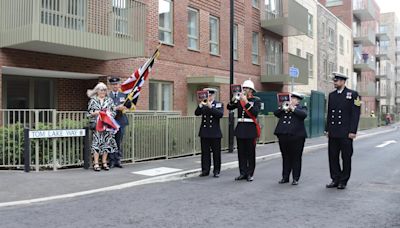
point(118, 165)
point(283, 181)
point(295, 182)
point(332, 185)
point(241, 177)
point(112, 165)
point(250, 178)
point(341, 186)
point(216, 175)
point(204, 174)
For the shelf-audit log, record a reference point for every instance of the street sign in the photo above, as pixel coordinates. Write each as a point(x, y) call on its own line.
point(294, 72)
point(56, 133)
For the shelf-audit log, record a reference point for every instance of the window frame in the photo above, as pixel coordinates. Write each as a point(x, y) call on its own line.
point(190, 36)
point(310, 64)
point(168, 30)
point(341, 44)
point(159, 85)
point(255, 54)
point(310, 29)
point(217, 42)
point(235, 42)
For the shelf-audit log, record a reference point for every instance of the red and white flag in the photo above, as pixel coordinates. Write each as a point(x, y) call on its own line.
point(133, 85)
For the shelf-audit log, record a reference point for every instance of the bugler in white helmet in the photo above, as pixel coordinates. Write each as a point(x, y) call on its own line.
point(248, 84)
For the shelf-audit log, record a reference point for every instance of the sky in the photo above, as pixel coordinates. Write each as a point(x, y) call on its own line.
point(389, 6)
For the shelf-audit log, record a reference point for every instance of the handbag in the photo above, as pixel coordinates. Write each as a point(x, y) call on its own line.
point(92, 125)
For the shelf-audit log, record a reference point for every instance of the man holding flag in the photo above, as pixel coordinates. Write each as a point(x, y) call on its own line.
point(121, 106)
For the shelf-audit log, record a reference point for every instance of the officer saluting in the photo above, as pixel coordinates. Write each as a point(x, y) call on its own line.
point(341, 128)
point(121, 118)
point(210, 132)
point(247, 130)
point(291, 133)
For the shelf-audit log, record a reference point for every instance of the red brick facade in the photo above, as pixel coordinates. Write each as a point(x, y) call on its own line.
point(176, 62)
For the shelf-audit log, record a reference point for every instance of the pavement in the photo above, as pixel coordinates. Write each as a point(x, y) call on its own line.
point(19, 188)
point(181, 199)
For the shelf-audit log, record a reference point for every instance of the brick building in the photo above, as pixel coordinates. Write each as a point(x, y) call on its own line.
point(49, 57)
point(363, 17)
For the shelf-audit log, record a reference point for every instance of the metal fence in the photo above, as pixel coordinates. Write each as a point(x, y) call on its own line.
point(154, 136)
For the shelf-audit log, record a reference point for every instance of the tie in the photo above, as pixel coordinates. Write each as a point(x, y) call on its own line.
point(115, 95)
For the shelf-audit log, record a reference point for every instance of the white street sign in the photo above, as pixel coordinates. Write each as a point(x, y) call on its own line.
point(56, 133)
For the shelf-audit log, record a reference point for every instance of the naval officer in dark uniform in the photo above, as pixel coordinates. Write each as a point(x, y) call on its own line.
point(247, 130)
point(210, 132)
point(292, 134)
point(341, 128)
point(120, 117)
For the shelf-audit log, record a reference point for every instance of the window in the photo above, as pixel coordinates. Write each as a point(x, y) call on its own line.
point(341, 45)
point(323, 30)
point(193, 29)
point(326, 68)
point(165, 22)
point(331, 38)
point(347, 72)
point(235, 42)
point(120, 20)
point(255, 3)
point(70, 14)
point(348, 47)
point(298, 52)
point(273, 9)
point(274, 60)
point(254, 51)
point(160, 97)
point(333, 3)
point(310, 65)
point(310, 25)
point(341, 70)
point(330, 69)
point(214, 35)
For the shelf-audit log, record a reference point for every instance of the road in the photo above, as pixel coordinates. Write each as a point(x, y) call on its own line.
point(372, 198)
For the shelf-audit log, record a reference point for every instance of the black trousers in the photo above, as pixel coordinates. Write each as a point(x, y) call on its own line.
point(115, 158)
point(292, 150)
point(247, 156)
point(208, 146)
point(337, 147)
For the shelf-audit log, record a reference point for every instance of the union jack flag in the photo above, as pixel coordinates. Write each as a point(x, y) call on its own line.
point(133, 85)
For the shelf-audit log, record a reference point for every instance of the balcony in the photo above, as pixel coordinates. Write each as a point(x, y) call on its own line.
point(287, 18)
point(364, 10)
point(363, 61)
point(383, 33)
point(103, 30)
point(365, 36)
point(382, 53)
point(275, 74)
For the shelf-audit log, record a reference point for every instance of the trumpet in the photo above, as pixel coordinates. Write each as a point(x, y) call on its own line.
point(285, 105)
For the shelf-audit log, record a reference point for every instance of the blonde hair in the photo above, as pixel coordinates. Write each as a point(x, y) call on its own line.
point(93, 92)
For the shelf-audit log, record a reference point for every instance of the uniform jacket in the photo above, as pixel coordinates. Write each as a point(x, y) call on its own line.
point(246, 130)
point(210, 127)
point(121, 118)
point(291, 123)
point(343, 113)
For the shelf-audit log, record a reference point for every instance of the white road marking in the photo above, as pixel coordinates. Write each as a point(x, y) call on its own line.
point(157, 171)
point(386, 143)
point(158, 179)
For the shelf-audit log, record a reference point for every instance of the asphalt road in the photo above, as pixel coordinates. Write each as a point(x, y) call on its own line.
point(372, 198)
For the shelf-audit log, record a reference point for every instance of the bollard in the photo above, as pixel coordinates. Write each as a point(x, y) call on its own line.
point(86, 150)
point(27, 151)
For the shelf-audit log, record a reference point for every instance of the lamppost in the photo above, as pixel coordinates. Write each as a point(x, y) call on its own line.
point(231, 113)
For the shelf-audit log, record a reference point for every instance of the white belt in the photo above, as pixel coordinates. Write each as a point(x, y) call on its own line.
point(245, 120)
